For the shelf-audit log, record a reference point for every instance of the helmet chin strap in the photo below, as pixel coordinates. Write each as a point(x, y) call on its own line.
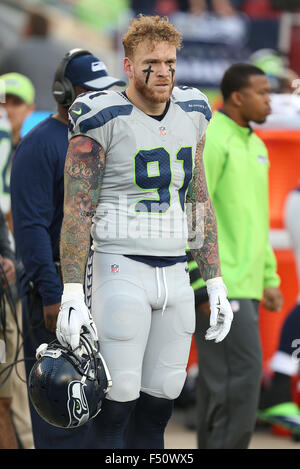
point(54, 350)
point(94, 351)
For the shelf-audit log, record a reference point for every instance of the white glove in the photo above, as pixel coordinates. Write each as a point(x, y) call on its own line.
point(221, 314)
point(74, 314)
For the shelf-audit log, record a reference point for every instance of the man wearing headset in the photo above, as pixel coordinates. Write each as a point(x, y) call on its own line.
point(37, 205)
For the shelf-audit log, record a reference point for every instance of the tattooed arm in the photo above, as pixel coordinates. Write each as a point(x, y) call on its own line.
point(206, 256)
point(84, 168)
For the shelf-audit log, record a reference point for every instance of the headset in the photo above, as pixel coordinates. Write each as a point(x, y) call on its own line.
point(62, 89)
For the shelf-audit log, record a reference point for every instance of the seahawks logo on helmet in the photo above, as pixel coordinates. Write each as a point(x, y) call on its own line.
point(77, 404)
point(67, 389)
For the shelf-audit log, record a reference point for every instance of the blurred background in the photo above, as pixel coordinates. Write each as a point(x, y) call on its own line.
point(35, 34)
point(216, 33)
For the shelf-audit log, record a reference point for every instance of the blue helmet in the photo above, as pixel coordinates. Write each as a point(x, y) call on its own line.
point(67, 387)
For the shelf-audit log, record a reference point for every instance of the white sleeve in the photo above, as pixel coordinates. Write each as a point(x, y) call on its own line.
point(196, 105)
point(204, 116)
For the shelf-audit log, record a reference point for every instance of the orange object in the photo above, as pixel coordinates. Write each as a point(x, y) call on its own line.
point(280, 431)
point(270, 323)
point(193, 358)
point(284, 175)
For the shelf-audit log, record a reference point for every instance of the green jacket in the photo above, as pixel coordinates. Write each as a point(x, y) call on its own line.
point(236, 165)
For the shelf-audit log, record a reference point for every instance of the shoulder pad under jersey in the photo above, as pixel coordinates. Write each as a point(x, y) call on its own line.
point(192, 100)
point(95, 109)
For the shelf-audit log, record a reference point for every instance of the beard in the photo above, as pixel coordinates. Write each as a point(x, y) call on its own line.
point(152, 95)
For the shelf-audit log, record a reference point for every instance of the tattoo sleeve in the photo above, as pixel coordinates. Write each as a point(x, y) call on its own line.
point(84, 169)
point(207, 255)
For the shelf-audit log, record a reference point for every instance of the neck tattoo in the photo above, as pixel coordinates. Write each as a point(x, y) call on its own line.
point(148, 71)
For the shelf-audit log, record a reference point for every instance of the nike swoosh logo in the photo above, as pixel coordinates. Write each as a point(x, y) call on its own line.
point(77, 112)
point(70, 311)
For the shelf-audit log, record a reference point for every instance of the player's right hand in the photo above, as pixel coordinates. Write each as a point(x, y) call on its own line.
point(73, 315)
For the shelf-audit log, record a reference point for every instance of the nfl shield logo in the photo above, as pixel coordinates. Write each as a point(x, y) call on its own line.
point(114, 268)
point(162, 131)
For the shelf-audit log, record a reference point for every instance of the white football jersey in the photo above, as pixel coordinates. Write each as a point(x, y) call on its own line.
point(149, 165)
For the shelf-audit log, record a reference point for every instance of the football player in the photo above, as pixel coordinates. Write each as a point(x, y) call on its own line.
point(37, 187)
point(130, 161)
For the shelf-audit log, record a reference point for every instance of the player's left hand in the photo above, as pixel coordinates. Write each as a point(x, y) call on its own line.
point(221, 314)
point(272, 299)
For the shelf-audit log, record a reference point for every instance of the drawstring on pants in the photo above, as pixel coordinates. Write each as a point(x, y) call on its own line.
point(159, 289)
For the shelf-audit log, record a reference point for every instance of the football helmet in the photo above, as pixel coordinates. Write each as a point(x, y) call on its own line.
point(67, 387)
